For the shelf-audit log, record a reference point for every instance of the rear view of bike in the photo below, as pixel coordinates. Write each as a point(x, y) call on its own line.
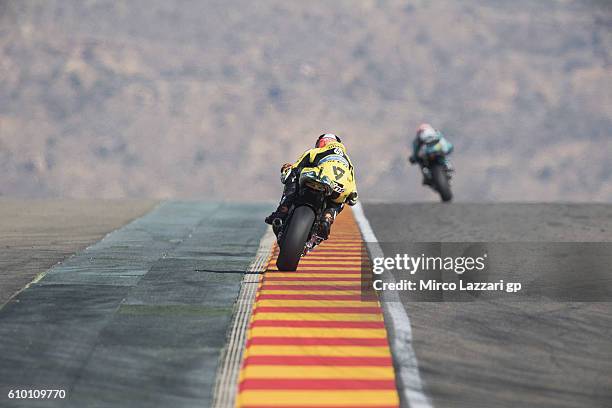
point(301, 231)
point(440, 181)
point(437, 173)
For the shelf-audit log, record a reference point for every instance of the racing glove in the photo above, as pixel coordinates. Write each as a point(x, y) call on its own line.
point(352, 199)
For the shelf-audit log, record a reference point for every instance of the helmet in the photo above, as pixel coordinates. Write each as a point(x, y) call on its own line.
point(326, 138)
point(427, 134)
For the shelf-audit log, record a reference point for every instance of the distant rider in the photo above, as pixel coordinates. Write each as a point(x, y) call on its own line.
point(327, 147)
point(429, 138)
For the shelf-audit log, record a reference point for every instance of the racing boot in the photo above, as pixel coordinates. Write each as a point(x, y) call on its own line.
point(289, 193)
point(449, 168)
point(326, 224)
point(325, 228)
point(279, 214)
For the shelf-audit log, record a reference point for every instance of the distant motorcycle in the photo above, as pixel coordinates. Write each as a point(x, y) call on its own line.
point(300, 233)
point(436, 173)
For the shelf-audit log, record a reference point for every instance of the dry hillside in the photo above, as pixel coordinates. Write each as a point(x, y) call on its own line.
point(206, 98)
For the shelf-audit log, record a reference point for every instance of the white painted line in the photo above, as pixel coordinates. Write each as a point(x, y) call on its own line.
point(410, 386)
point(226, 386)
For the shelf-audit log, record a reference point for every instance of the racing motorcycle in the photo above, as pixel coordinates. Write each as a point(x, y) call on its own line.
point(436, 171)
point(301, 231)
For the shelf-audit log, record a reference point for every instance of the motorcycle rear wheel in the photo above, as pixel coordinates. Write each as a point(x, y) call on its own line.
point(440, 181)
point(294, 238)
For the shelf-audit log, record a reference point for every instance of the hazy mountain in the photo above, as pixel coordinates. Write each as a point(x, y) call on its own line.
point(207, 98)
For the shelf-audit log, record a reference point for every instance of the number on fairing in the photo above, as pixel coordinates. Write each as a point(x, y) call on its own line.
point(338, 172)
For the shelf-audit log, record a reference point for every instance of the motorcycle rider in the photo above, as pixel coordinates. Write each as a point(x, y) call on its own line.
point(427, 135)
point(327, 147)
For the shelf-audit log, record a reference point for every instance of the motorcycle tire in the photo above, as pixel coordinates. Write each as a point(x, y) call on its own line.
point(294, 238)
point(440, 181)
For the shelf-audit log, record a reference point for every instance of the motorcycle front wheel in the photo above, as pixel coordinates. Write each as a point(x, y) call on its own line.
point(440, 181)
point(294, 238)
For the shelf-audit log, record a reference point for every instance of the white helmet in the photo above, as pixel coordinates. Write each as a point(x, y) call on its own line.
point(326, 138)
point(427, 134)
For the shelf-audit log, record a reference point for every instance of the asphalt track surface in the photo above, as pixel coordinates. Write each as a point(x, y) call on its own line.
point(499, 352)
point(139, 319)
point(37, 234)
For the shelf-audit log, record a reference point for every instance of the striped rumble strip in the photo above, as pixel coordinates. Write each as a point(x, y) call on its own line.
point(315, 339)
